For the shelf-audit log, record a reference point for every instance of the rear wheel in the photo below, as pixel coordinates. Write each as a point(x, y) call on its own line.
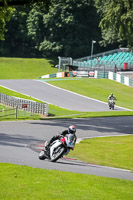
point(57, 154)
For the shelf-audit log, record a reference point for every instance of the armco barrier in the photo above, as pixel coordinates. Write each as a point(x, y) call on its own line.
point(56, 75)
point(121, 79)
point(98, 74)
point(101, 74)
point(115, 77)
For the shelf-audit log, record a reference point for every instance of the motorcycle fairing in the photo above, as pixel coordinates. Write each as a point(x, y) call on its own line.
point(55, 145)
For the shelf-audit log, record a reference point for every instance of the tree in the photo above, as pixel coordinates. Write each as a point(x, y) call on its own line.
point(116, 21)
point(22, 2)
point(70, 26)
point(7, 8)
point(67, 28)
point(35, 27)
point(17, 41)
point(5, 14)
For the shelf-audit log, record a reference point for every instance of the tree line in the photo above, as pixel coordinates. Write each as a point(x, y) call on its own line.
point(43, 28)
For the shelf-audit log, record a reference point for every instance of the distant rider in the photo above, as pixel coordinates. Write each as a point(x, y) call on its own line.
point(71, 130)
point(111, 97)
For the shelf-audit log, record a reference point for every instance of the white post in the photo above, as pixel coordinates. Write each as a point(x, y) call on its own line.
point(92, 47)
point(126, 80)
point(59, 63)
point(71, 61)
point(118, 78)
point(110, 75)
point(95, 74)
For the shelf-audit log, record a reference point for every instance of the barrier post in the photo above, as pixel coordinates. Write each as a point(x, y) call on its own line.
point(16, 111)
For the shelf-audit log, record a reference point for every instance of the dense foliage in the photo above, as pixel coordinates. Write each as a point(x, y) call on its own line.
point(5, 14)
point(66, 28)
point(116, 21)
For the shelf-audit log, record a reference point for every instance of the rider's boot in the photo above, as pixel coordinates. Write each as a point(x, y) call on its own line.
point(47, 143)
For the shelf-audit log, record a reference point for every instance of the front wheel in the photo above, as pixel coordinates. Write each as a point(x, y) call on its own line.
point(57, 153)
point(42, 155)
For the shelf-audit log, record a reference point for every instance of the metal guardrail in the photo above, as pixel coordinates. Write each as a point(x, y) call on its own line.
point(23, 104)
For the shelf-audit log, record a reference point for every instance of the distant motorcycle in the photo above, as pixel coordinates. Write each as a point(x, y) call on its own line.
point(111, 104)
point(58, 148)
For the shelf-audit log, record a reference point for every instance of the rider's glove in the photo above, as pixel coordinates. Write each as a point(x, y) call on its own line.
point(58, 136)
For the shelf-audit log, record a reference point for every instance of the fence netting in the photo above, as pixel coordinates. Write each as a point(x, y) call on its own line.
point(24, 104)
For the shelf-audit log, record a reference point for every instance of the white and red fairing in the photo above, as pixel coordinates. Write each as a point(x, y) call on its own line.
point(69, 141)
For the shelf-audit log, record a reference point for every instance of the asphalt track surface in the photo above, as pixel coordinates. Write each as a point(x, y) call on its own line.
point(21, 141)
point(56, 96)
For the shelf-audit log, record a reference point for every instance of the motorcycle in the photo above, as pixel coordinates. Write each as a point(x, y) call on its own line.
point(111, 104)
point(58, 148)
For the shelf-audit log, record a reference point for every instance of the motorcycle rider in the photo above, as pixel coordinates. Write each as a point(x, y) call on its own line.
point(111, 97)
point(71, 130)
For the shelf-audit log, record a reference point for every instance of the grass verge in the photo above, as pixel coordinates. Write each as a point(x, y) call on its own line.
point(22, 182)
point(25, 68)
point(108, 151)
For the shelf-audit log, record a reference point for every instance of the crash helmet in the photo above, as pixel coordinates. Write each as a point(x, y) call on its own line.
point(112, 95)
point(72, 129)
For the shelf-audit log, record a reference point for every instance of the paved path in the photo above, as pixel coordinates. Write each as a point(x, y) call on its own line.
point(56, 96)
point(17, 137)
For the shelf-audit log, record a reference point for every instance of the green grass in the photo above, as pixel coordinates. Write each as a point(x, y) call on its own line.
point(22, 182)
point(25, 68)
point(108, 151)
point(60, 113)
point(99, 89)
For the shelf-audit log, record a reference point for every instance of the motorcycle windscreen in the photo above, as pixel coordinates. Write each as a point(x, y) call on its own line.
point(70, 141)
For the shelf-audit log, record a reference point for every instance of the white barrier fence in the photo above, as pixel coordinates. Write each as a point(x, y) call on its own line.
point(121, 78)
point(23, 104)
point(115, 77)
